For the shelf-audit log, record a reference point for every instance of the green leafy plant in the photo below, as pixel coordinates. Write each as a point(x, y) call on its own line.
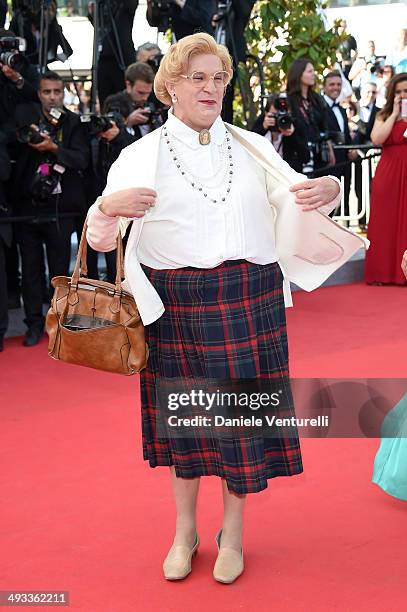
point(279, 32)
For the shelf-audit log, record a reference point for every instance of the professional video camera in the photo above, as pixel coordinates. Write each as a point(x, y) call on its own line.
point(31, 134)
point(283, 118)
point(159, 14)
point(97, 123)
point(11, 48)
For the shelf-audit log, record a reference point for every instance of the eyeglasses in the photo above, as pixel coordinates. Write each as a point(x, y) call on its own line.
point(199, 79)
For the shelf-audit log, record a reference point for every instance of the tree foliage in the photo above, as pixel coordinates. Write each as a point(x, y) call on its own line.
point(279, 32)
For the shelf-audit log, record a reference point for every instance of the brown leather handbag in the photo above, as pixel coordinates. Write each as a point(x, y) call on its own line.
point(93, 323)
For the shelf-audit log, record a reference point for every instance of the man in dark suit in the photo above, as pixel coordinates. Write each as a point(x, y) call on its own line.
point(47, 182)
point(337, 122)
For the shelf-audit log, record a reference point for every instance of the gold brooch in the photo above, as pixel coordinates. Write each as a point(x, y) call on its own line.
point(204, 137)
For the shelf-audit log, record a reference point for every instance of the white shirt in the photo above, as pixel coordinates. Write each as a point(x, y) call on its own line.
point(309, 246)
point(365, 112)
point(184, 228)
point(276, 142)
point(336, 111)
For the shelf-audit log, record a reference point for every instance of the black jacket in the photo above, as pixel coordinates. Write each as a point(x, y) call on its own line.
point(11, 97)
point(295, 148)
point(341, 155)
point(103, 155)
point(242, 10)
point(118, 18)
point(312, 124)
point(5, 169)
point(196, 16)
point(73, 155)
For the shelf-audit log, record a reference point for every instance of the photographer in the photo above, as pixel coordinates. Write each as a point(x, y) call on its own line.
point(365, 69)
point(237, 46)
point(147, 52)
point(106, 147)
point(44, 41)
point(47, 186)
point(145, 116)
point(277, 125)
point(18, 79)
point(190, 16)
point(116, 19)
point(310, 113)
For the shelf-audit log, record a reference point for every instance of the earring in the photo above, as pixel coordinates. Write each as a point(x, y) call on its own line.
point(174, 98)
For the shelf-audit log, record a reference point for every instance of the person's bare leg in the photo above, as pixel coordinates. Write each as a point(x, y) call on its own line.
point(233, 509)
point(185, 494)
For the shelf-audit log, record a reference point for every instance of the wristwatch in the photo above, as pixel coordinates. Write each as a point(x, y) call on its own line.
point(19, 83)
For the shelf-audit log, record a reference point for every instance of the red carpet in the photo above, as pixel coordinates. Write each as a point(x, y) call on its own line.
point(82, 512)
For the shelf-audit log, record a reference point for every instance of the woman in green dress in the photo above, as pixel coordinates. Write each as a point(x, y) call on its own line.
point(390, 466)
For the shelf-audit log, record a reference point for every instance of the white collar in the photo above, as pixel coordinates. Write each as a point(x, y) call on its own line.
point(329, 101)
point(190, 137)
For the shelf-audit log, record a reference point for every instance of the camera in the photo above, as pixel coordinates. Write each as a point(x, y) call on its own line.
point(97, 123)
point(322, 147)
point(155, 113)
point(46, 181)
point(11, 49)
point(27, 134)
point(155, 61)
point(30, 134)
point(159, 14)
point(337, 138)
point(376, 66)
point(283, 118)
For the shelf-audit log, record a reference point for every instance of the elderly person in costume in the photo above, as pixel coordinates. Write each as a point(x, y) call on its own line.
point(220, 226)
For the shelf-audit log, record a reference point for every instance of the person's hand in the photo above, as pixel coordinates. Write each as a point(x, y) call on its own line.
point(47, 144)
point(109, 134)
point(269, 121)
point(314, 193)
point(134, 202)
point(353, 155)
point(396, 106)
point(9, 73)
point(140, 116)
point(404, 264)
point(332, 158)
point(288, 131)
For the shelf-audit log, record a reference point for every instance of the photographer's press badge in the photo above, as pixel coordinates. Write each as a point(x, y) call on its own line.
point(60, 170)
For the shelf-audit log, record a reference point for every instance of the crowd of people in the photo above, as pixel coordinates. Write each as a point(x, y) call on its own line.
point(62, 152)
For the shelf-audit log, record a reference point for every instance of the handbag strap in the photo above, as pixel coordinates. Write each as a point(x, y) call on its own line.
point(81, 269)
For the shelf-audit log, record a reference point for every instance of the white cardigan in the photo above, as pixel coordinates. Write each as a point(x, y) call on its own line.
point(310, 245)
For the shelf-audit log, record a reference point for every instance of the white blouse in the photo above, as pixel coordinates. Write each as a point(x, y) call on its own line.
point(185, 228)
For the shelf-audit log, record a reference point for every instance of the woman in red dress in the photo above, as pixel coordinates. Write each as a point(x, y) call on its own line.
point(388, 218)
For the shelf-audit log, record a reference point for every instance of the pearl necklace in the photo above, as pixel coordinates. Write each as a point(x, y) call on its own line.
point(194, 182)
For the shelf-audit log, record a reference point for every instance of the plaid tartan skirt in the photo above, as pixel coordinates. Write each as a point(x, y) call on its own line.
point(226, 322)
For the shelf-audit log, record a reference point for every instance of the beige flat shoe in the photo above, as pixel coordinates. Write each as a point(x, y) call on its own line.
point(177, 564)
point(229, 564)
